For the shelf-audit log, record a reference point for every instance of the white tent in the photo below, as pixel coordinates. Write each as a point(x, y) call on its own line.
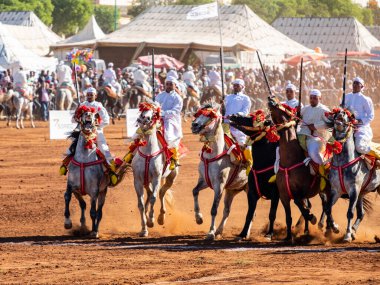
point(86, 38)
point(13, 54)
point(332, 35)
point(30, 31)
point(167, 29)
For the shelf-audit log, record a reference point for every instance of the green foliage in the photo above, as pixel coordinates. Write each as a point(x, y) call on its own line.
point(42, 8)
point(105, 16)
point(71, 15)
point(139, 6)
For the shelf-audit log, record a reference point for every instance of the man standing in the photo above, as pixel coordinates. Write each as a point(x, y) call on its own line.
point(362, 107)
point(313, 130)
point(240, 104)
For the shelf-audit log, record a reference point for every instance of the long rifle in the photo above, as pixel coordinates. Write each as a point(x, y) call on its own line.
point(300, 92)
point(344, 80)
point(222, 71)
point(153, 88)
point(265, 76)
point(76, 83)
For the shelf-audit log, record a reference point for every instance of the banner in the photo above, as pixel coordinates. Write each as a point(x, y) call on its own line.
point(203, 12)
point(131, 118)
point(61, 124)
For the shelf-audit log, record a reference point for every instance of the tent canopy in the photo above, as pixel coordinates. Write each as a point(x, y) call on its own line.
point(161, 60)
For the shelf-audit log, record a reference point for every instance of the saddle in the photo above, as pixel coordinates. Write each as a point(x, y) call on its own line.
point(110, 92)
point(23, 93)
point(234, 150)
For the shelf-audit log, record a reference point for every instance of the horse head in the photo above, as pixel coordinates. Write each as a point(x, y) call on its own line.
point(205, 118)
point(342, 121)
point(150, 114)
point(88, 119)
point(252, 124)
point(281, 113)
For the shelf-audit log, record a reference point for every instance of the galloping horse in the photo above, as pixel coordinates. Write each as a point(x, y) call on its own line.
point(264, 144)
point(86, 174)
point(108, 98)
point(64, 98)
point(150, 165)
point(294, 180)
point(215, 168)
point(349, 173)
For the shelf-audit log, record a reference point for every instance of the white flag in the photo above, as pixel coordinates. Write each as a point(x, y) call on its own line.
point(203, 12)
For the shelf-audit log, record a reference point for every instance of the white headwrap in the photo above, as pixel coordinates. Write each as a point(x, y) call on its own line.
point(238, 81)
point(172, 79)
point(91, 90)
point(291, 86)
point(358, 79)
point(315, 92)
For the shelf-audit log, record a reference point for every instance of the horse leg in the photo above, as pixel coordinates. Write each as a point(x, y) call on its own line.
point(30, 109)
point(350, 214)
point(272, 215)
point(359, 216)
point(252, 198)
point(99, 211)
point(200, 186)
point(82, 205)
point(286, 203)
point(330, 224)
point(155, 187)
point(218, 192)
point(323, 215)
point(18, 115)
point(228, 198)
point(68, 194)
point(304, 206)
point(168, 183)
point(139, 188)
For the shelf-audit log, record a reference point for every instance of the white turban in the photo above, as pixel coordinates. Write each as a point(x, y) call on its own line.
point(110, 64)
point(171, 79)
point(315, 92)
point(358, 79)
point(238, 81)
point(291, 86)
point(91, 90)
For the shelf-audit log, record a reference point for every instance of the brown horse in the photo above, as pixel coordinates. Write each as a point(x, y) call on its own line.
point(294, 180)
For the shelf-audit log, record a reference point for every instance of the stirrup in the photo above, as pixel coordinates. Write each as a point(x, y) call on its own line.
point(173, 164)
point(113, 179)
point(63, 170)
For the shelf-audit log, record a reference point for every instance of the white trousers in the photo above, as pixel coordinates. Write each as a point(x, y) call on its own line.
point(314, 147)
point(363, 137)
point(239, 136)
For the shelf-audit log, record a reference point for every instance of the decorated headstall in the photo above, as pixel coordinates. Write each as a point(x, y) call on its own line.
point(145, 106)
point(207, 112)
point(262, 128)
point(333, 145)
point(84, 114)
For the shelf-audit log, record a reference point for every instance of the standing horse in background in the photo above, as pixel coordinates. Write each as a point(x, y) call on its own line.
point(294, 180)
point(20, 103)
point(150, 165)
point(264, 144)
point(349, 173)
point(64, 98)
point(215, 168)
point(86, 174)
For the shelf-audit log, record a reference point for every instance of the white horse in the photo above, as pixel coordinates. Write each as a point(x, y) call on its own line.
point(86, 174)
point(20, 104)
point(64, 98)
point(150, 165)
point(215, 168)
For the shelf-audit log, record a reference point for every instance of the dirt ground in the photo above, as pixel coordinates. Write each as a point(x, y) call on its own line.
point(35, 247)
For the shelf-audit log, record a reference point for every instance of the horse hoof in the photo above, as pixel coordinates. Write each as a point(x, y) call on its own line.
point(143, 234)
point(68, 225)
point(199, 219)
point(239, 238)
point(94, 235)
point(335, 229)
point(210, 236)
point(353, 235)
point(347, 238)
point(268, 236)
point(313, 220)
point(161, 219)
point(150, 224)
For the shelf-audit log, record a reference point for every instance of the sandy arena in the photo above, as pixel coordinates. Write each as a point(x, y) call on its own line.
point(35, 247)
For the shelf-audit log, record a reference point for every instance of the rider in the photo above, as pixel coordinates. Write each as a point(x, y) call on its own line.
point(64, 77)
point(140, 78)
point(171, 106)
point(189, 78)
point(215, 79)
point(101, 140)
point(313, 130)
point(20, 81)
point(239, 103)
point(291, 100)
point(362, 108)
point(110, 79)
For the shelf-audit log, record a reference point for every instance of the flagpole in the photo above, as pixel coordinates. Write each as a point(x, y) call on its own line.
point(221, 50)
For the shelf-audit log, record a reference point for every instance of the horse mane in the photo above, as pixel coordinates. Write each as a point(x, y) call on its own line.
point(74, 136)
point(210, 104)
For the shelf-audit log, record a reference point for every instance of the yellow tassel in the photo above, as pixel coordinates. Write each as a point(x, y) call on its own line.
point(63, 170)
point(272, 179)
point(322, 184)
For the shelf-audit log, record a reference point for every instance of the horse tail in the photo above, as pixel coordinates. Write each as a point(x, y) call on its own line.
point(169, 198)
point(368, 204)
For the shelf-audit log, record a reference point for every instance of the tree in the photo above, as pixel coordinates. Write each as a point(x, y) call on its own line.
point(105, 16)
point(42, 8)
point(71, 15)
point(139, 6)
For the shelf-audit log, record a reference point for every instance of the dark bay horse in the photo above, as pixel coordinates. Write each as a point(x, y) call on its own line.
point(294, 180)
point(264, 157)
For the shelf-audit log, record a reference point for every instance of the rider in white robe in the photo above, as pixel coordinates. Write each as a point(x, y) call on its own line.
point(64, 76)
point(141, 79)
point(291, 99)
point(110, 79)
point(20, 80)
point(240, 104)
point(362, 107)
point(189, 78)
